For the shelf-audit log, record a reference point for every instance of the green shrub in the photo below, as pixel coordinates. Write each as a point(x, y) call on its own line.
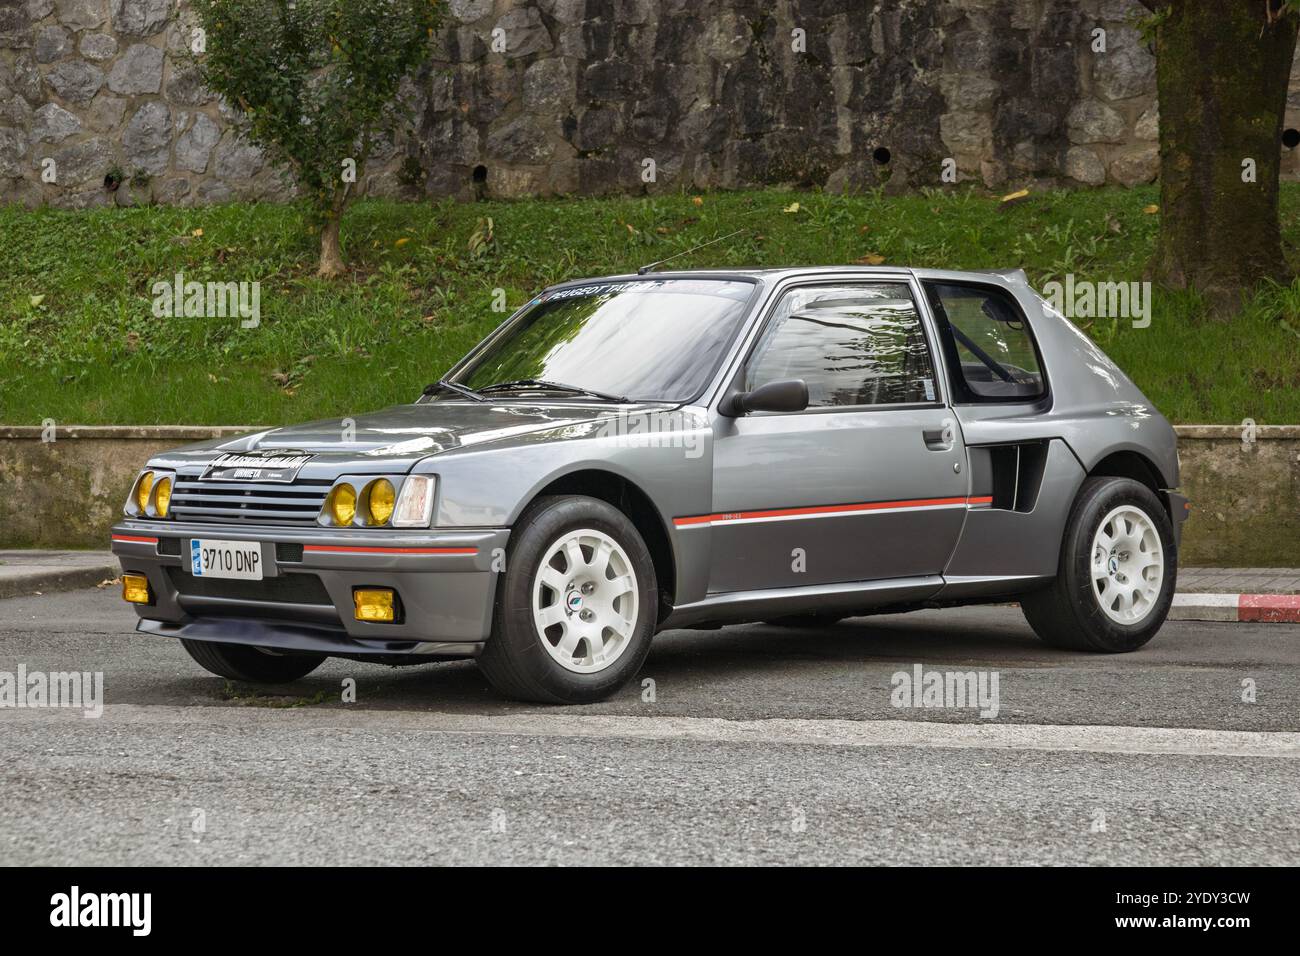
point(316, 83)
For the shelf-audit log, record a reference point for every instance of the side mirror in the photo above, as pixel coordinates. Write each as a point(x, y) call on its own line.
point(790, 395)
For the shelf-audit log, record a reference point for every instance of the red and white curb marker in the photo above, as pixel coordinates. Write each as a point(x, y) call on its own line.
point(1260, 608)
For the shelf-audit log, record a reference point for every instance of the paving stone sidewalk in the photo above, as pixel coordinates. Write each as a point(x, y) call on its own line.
point(1239, 580)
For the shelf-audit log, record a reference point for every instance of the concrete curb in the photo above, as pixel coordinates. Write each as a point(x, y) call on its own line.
point(47, 580)
point(1255, 608)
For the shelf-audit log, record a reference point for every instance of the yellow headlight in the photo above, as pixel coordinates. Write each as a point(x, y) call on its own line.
point(380, 497)
point(162, 498)
point(343, 504)
point(142, 489)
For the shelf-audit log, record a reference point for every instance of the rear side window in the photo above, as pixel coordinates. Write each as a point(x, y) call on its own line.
point(853, 344)
point(987, 344)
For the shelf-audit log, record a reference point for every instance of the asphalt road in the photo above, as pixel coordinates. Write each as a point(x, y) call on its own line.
point(760, 745)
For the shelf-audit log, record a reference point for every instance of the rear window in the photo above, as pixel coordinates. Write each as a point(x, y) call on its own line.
point(987, 344)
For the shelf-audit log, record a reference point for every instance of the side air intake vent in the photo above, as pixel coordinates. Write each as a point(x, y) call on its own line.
point(1013, 474)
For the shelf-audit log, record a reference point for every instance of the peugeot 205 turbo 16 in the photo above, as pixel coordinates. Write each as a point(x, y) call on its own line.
point(677, 450)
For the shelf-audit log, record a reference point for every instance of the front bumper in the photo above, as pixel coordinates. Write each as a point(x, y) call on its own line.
point(445, 581)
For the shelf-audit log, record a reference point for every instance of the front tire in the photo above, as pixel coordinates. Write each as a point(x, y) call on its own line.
point(251, 664)
point(576, 607)
point(1116, 575)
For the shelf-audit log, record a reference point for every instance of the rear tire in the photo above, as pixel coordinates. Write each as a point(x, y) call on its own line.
point(1116, 575)
point(576, 607)
point(251, 664)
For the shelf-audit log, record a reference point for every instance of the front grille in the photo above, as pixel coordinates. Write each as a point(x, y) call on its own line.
point(233, 502)
point(283, 589)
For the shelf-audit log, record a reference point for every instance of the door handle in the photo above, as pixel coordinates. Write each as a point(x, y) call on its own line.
point(938, 439)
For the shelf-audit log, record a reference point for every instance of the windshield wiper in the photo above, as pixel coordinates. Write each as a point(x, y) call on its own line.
point(459, 389)
point(526, 383)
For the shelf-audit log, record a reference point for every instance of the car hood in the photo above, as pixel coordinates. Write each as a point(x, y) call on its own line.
point(395, 438)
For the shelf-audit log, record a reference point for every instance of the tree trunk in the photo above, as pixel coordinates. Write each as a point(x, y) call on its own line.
point(1221, 74)
point(331, 254)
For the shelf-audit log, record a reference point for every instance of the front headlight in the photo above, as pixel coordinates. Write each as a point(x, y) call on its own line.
point(143, 484)
point(162, 497)
point(151, 495)
point(342, 504)
point(415, 503)
point(379, 501)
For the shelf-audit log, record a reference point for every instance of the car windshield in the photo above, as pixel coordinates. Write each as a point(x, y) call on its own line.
point(644, 339)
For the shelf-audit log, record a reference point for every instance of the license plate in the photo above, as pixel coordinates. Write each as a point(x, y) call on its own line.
point(226, 559)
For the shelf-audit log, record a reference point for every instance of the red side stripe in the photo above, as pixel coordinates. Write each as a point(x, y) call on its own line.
point(862, 508)
point(136, 538)
point(340, 549)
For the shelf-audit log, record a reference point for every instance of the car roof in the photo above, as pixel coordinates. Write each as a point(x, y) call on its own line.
point(776, 274)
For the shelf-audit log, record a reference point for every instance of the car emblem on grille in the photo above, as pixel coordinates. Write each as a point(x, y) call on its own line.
point(275, 465)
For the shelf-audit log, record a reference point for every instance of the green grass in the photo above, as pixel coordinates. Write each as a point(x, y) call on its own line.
point(79, 342)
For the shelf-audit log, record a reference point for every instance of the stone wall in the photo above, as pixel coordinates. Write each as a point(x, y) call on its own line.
point(68, 492)
point(543, 97)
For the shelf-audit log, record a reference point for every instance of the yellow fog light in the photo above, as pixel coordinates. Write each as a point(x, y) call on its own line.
point(342, 505)
point(142, 489)
point(135, 588)
point(374, 604)
point(162, 497)
point(379, 500)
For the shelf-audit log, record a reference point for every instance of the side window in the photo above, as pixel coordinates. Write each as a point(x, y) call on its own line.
point(986, 342)
point(853, 344)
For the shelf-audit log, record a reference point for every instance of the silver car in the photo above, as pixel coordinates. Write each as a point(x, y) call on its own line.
point(679, 450)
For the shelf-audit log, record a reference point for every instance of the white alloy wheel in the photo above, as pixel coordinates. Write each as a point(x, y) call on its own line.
point(585, 601)
point(1128, 565)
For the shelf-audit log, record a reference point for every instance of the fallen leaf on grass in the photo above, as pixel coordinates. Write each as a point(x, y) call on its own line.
point(1012, 197)
point(793, 207)
point(1151, 209)
point(870, 259)
point(37, 299)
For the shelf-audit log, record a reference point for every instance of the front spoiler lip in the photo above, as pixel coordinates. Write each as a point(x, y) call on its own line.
point(285, 636)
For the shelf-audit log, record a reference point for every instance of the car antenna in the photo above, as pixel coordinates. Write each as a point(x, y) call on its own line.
point(655, 265)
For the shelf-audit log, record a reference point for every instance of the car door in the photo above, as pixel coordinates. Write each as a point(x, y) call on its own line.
point(869, 482)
